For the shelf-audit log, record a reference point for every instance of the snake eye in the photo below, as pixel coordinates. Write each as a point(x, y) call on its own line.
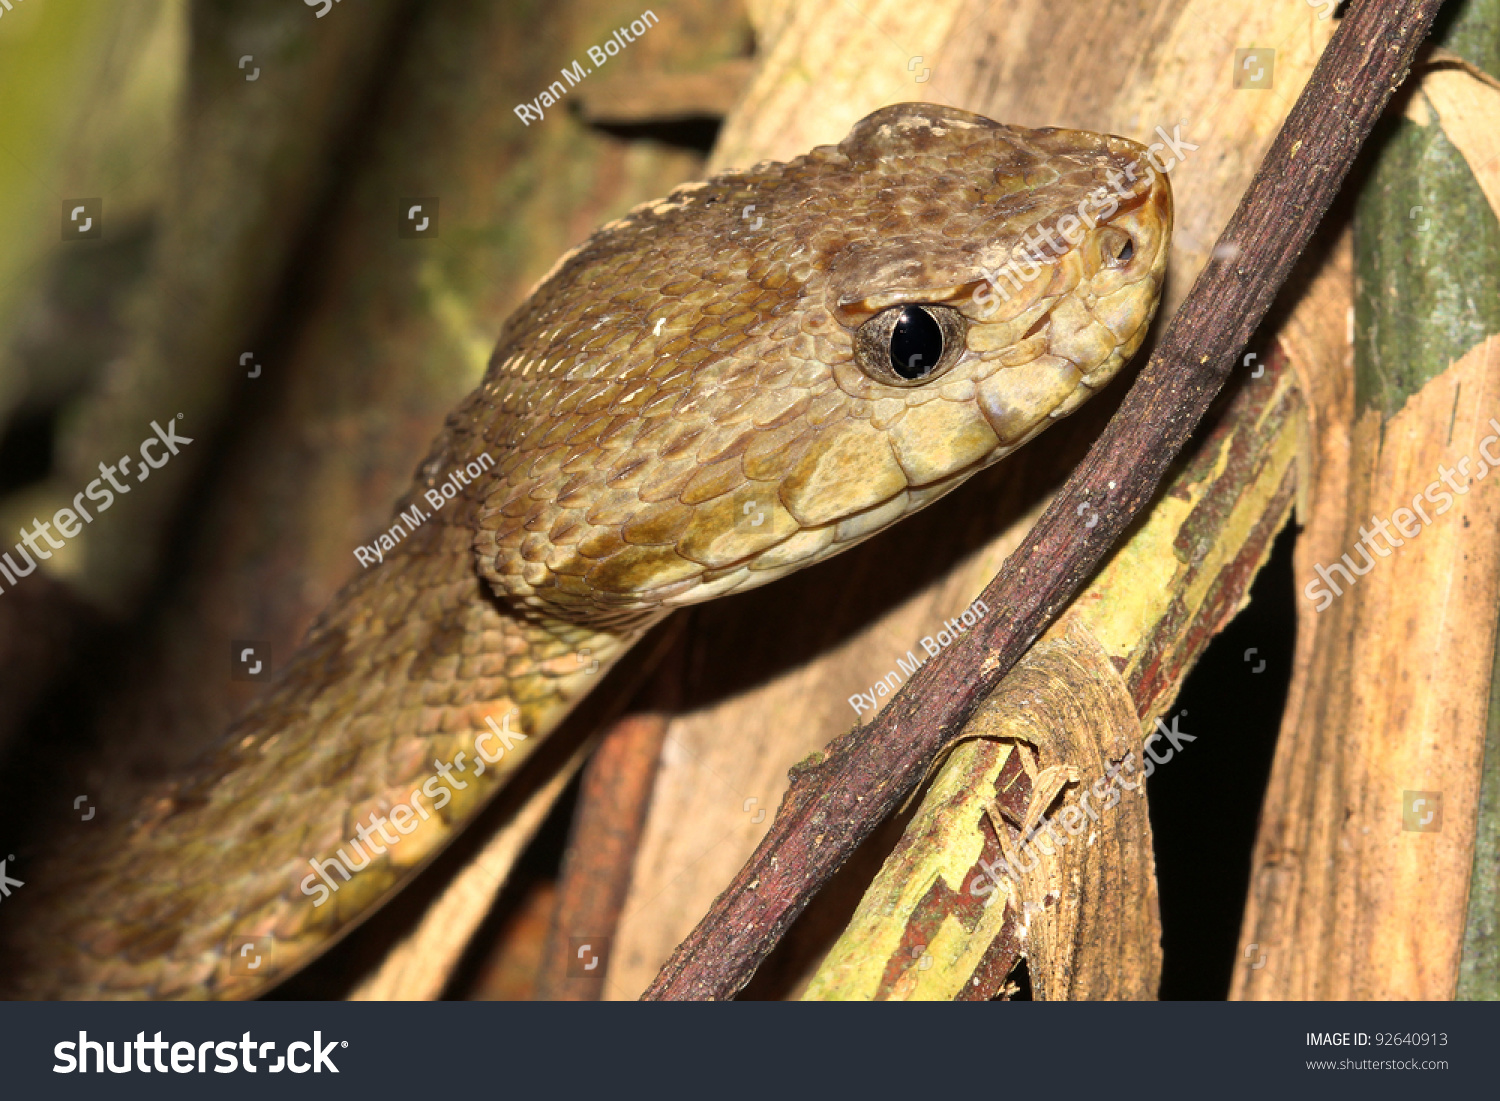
point(909, 345)
point(916, 343)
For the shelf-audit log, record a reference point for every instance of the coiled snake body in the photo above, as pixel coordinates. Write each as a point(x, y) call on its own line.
point(699, 399)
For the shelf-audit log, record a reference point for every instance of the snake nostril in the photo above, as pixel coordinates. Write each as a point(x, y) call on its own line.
point(1116, 247)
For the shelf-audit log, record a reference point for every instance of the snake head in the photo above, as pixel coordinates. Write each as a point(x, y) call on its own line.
point(696, 402)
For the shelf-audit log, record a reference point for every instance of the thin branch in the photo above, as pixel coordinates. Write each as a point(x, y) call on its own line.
point(834, 805)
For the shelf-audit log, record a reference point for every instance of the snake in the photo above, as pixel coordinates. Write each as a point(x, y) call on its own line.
point(720, 387)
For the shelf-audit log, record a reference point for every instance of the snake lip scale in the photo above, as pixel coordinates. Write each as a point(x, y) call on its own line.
point(689, 404)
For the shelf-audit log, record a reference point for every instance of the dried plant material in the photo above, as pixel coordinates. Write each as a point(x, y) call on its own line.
point(985, 873)
point(1353, 894)
point(1360, 890)
point(842, 63)
point(1465, 102)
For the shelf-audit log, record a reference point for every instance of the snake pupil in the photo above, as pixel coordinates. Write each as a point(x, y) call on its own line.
point(916, 343)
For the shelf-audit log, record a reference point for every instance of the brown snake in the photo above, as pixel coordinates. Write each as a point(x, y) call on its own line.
point(699, 399)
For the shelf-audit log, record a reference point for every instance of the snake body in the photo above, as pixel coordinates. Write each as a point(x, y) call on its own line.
point(721, 387)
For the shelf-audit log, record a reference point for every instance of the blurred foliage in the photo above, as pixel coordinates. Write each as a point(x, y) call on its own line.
point(90, 93)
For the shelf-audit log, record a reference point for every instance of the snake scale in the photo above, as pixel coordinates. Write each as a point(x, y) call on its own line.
point(697, 400)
